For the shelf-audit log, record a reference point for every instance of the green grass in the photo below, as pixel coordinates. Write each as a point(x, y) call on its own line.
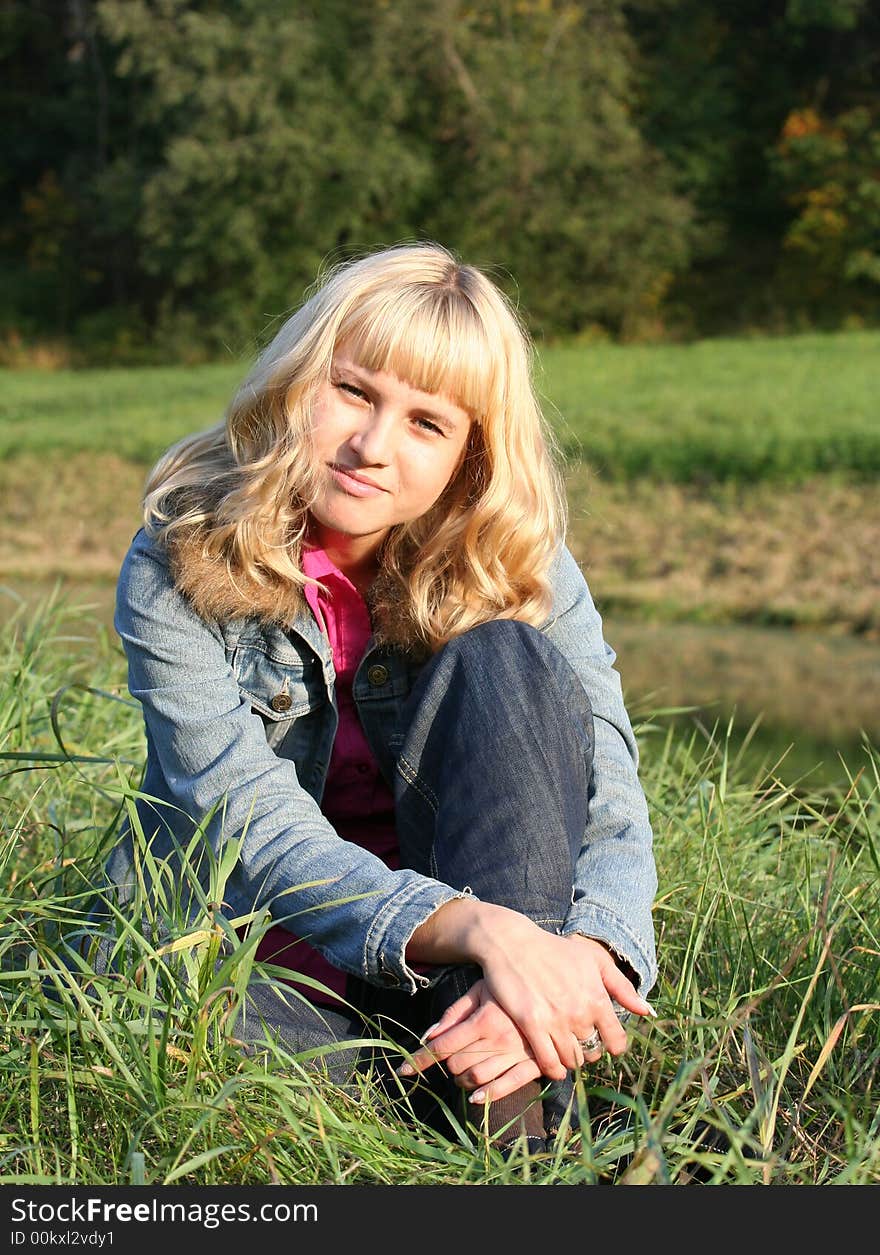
point(135, 413)
point(777, 409)
point(760, 1068)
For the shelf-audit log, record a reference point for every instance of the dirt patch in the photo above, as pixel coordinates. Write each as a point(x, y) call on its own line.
point(70, 516)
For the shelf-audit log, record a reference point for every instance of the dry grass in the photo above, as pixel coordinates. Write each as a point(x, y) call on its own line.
point(763, 553)
point(70, 516)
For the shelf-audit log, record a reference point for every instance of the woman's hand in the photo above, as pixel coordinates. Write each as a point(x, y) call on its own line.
point(480, 1046)
point(557, 990)
point(552, 991)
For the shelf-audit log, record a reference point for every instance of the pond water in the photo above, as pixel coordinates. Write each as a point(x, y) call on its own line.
point(814, 694)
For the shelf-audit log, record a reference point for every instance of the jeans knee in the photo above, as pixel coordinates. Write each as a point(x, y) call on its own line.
point(514, 655)
point(497, 634)
point(506, 647)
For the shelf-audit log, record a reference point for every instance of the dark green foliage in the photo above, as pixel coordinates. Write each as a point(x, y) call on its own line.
point(177, 172)
point(269, 161)
point(539, 171)
point(727, 93)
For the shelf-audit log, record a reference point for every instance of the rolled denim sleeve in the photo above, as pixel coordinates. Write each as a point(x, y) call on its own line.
point(207, 747)
point(615, 877)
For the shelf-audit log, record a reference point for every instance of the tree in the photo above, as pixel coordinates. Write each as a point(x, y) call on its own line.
point(293, 134)
point(722, 87)
point(61, 256)
point(541, 170)
point(267, 162)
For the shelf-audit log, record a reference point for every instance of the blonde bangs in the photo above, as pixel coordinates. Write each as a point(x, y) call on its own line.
point(430, 337)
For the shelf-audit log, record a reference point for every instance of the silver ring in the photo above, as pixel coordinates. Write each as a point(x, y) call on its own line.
point(591, 1043)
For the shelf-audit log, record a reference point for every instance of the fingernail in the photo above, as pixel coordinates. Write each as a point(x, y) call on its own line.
point(479, 1095)
point(427, 1033)
point(406, 1069)
point(650, 1010)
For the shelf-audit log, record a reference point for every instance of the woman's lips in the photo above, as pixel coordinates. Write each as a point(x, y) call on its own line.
point(354, 483)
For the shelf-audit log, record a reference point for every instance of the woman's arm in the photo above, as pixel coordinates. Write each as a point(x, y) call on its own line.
point(210, 748)
point(615, 878)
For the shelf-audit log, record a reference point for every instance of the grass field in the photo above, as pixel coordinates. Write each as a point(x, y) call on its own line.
point(725, 483)
point(761, 1068)
point(721, 410)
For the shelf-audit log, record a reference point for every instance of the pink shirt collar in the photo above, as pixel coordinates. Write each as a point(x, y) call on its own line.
point(315, 563)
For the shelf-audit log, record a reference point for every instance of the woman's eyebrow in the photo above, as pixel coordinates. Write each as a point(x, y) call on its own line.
point(362, 375)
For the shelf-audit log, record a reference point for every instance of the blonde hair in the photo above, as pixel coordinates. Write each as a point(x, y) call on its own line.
point(235, 499)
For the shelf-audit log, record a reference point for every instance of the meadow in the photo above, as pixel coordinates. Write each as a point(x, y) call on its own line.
point(723, 481)
point(716, 410)
point(731, 482)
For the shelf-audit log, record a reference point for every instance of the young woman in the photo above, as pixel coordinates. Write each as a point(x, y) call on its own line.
point(364, 651)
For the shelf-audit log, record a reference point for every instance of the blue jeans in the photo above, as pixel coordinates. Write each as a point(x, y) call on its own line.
point(491, 793)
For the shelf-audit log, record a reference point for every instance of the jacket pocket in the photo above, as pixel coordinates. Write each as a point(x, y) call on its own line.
point(279, 692)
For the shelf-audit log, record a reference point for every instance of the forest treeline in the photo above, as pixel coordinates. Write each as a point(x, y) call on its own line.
point(176, 171)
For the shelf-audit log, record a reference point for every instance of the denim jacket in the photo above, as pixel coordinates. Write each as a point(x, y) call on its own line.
point(243, 715)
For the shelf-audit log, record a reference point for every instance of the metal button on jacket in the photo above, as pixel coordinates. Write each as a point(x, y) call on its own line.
point(377, 675)
point(281, 702)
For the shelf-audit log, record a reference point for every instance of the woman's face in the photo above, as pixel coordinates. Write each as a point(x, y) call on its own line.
point(386, 451)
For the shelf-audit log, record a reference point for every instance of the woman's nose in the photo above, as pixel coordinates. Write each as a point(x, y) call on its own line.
point(375, 439)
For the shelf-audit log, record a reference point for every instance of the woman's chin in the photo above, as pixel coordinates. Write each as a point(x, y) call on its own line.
point(331, 524)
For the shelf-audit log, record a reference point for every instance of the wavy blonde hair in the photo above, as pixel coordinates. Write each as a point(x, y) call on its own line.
point(231, 504)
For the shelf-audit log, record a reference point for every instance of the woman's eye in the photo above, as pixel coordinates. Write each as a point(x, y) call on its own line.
point(426, 425)
point(350, 388)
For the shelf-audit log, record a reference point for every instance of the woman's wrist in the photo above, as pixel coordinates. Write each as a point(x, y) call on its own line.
point(460, 931)
point(621, 962)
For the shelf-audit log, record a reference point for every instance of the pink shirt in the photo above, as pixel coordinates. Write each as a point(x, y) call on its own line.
point(357, 801)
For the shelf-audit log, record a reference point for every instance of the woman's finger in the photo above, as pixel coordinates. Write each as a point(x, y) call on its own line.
point(592, 1047)
point(620, 988)
point(457, 1011)
point(512, 1080)
point(439, 1048)
point(488, 1033)
point(611, 1031)
point(553, 1060)
point(481, 1064)
point(569, 1050)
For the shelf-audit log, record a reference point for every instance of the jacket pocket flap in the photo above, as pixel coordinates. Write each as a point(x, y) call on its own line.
point(278, 691)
